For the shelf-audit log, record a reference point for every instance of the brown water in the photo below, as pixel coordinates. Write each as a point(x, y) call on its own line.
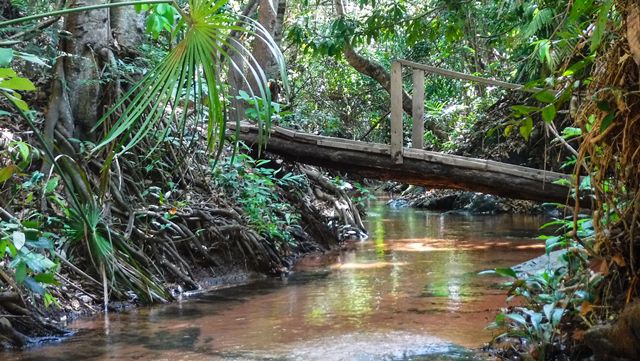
point(411, 292)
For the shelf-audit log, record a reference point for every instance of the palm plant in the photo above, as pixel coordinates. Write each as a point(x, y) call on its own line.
point(190, 77)
point(186, 87)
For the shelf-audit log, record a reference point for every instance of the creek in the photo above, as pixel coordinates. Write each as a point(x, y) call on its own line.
point(410, 292)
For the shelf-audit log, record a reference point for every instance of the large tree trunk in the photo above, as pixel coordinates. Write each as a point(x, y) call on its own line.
point(235, 74)
point(267, 17)
point(271, 15)
point(86, 76)
point(128, 29)
point(88, 48)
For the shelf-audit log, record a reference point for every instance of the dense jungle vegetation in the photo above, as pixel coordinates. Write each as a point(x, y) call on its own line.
point(121, 179)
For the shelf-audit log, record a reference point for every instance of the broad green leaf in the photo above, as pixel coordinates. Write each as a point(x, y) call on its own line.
point(6, 55)
point(517, 318)
point(506, 272)
point(40, 243)
point(7, 73)
point(7, 172)
point(23, 148)
point(545, 96)
point(507, 130)
point(524, 109)
point(51, 185)
point(19, 103)
point(32, 59)
point(607, 121)
point(19, 239)
point(48, 278)
point(17, 84)
point(549, 113)
point(526, 127)
point(36, 261)
point(33, 285)
point(21, 272)
point(601, 25)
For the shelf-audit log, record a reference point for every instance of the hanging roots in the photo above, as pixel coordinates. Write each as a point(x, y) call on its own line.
point(610, 121)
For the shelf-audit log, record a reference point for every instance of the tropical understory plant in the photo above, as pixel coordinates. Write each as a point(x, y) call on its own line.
point(597, 278)
point(179, 104)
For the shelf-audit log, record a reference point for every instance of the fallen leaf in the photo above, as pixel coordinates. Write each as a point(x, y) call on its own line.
point(599, 265)
point(585, 308)
point(619, 260)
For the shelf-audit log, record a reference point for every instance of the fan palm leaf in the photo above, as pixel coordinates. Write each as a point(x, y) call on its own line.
point(190, 77)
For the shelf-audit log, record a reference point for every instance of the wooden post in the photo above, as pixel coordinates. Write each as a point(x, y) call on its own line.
point(417, 135)
point(396, 113)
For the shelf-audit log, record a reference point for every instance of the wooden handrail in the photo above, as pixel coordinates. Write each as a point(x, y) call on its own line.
point(417, 133)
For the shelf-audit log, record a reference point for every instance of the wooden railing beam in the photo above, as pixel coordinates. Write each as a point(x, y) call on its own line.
point(417, 134)
point(462, 76)
point(396, 113)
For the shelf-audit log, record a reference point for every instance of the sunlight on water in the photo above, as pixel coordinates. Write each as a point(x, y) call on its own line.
point(411, 292)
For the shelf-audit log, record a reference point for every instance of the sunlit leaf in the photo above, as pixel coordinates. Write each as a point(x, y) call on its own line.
point(6, 55)
point(17, 84)
point(549, 113)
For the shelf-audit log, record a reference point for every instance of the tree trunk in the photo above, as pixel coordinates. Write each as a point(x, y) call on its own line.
point(271, 15)
point(86, 76)
point(88, 48)
point(235, 74)
point(127, 28)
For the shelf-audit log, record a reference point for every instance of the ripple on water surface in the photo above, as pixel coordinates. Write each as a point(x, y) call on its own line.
point(411, 292)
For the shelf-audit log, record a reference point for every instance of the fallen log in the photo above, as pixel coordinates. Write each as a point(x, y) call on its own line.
point(421, 168)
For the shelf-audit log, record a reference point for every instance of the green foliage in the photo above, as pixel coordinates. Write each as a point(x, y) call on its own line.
point(11, 83)
point(361, 195)
point(257, 187)
point(562, 290)
point(28, 250)
point(160, 18)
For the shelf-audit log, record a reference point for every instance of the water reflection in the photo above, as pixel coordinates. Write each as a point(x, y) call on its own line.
point(409, 293)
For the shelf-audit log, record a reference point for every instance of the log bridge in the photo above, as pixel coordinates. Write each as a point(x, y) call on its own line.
point(413, 165)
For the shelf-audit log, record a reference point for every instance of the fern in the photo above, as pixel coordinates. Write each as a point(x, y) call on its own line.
point(542, 19)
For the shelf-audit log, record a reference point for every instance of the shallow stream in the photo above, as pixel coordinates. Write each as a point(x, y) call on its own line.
point(410, 292)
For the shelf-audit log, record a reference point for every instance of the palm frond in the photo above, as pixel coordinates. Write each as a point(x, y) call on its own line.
point(189, 78)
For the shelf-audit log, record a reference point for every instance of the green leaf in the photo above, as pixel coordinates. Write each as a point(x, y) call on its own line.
point(48, 278)
point(41, 243)
point(36, 261)
point(23, 148)
point(601, 24)
point(524, 109)
point(506, 272)
point(19, 239)
point(6, 55)
point(32, 58)
point(545, 96)
point(51, 185)
point(3, 248)
point(607, 121)
point(549, 113)
point(17, 84)
point(7, 73)
point(19, 103)
point(526, 127)
point(517, 318)
point(507, 130)
point(21, 272)
point(7, 172)
point(33, 285)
